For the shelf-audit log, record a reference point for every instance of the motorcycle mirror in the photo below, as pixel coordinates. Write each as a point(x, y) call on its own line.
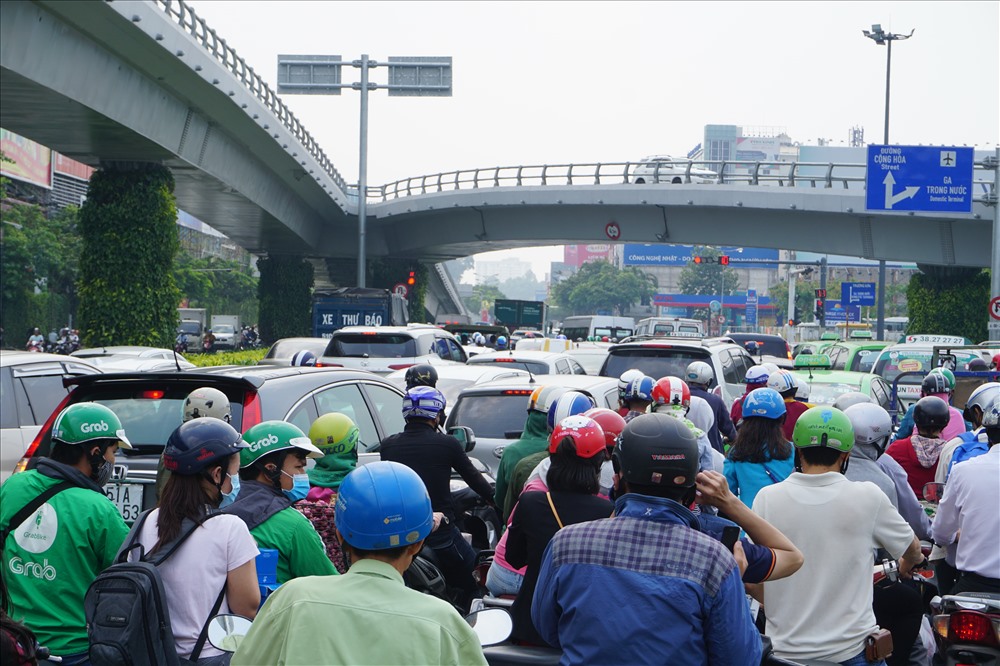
point(226, 631)
point(492, 625)
point(464, 435)
point(933, 492)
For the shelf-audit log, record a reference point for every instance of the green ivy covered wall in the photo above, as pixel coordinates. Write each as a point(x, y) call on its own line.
point(285, 297)
point(948, 300)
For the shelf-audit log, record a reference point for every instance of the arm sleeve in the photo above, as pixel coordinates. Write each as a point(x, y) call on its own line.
point(308, 554)
point(706, 461)
point(110, 531)
point(946, 520)
point(545, 608)
point(891, 531)
point(726, 426)
point(729, 469)
point(905, 426)
point(462, 465)
point(242, 546)
point(265, 643)
point(730, 634)
point(517, 541)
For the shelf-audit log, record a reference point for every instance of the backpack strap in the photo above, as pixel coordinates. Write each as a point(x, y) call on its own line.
point(771, 475)
point(31, 507)
point(187, 529)
point(552, 506)
point(200, 643)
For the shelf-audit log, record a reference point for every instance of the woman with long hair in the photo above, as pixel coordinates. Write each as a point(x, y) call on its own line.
point(213, 571)
point(577, 451)
point(760, 455)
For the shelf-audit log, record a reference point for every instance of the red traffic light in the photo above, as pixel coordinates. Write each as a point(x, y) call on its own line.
point(724, 260)
point(412, 280)
point(699, 260)
point(821, 293)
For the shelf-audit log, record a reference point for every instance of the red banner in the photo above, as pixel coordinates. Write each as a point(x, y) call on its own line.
point(32, 162)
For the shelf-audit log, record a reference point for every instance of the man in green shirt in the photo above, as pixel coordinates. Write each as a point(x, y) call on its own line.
point(52, 556)
point(366, 616)
point(273, 477)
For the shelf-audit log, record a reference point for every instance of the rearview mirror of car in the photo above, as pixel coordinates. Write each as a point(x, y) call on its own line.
point(464, 435)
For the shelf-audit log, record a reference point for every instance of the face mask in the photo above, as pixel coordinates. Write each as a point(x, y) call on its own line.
point(103, 471)
point(300, 487)
point(230, 497)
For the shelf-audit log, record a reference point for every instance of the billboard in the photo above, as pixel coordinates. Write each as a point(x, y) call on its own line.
point(32, 162)
point(65, 165)
point(578, 255)
point(661, 254)
point(758, 148)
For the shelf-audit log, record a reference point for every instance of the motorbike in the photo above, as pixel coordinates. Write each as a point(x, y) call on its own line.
point(181, 345)
point(35, 347)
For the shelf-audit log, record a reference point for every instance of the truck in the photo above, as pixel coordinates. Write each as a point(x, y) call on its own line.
point(192, 322)
point(227, 332)
point(356, 306)
point(519, 314)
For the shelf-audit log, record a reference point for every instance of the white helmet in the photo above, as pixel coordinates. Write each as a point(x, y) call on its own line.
point(757, 375)
point(982, 398)
point(991, 419)
point(781, 381)
point(872, 428)
point(699, 372)
point(845, 400)
point(771, 367)
point(802, 388)
point(626, 378)
point(207, 401)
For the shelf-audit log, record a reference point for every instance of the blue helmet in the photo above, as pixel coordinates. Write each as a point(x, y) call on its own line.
point(567, 404)
point(383, 505)
point(640, 389)
point(194, 445)
point(501, 342)
point(423, 402)
point(304, 357)
point(765, 403)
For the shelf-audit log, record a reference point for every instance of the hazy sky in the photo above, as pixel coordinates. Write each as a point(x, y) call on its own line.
point(557, 82)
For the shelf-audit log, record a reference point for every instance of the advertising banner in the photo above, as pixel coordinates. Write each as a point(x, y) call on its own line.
point(578, 255)
point(32, 162)
point(638, 254)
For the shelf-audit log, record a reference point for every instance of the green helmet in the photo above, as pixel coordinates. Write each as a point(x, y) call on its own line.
point(270, 436)
point(87, 422)
point(948, 374)
point(334, 433)
point(823, 426)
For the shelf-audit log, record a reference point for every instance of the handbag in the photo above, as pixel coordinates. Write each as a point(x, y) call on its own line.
point(878, 645)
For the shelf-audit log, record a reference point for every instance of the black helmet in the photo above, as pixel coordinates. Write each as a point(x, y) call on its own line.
point(931, 412)
point(421, 375)
point(657, 450)
point(935, 383)
point(198, 443)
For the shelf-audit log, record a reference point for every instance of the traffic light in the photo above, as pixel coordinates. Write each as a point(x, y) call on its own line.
point(412, 279)
point(700, 260)
point(821, 293)
point(724, 260)
point(820, 306)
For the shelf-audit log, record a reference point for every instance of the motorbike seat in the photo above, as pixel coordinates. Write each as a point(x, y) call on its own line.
point(522, 654)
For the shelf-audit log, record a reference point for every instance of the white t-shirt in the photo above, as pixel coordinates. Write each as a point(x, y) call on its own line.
point(700, 414)
point(194, 575)
point(824, 611)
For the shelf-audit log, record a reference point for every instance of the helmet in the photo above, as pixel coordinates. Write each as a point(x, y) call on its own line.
point(87, 422)
point(823, 426)
point(995, 361)
point(423, 402)
point(845, 400)
point(934, 383)
point(627, 377)
point(781, 381)
point(752, 347)
point(657, 450)
point(770, 367)
point(765, 403)
point(611, 423)
point(871, 423)
point(802, 388)
point(639, 389)
point(304, 357)
point(672, 391)
point(931, 412)
point(270, 436)
point(982, 397)
point(948, 374)
point(334, 433)
point(560, 337)
point(207, 401)
point(992, 417)
point(758, 374)
point(568, 404)
point(543, 397)
point(501, 342)
point(699, 372)
point(198, 443)
point(587, 435)
point(383, 505)
point(421, 375)
point(977, 365)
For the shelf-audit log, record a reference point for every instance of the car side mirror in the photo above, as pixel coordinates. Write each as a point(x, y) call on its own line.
point(464, 435)
point(933, 492)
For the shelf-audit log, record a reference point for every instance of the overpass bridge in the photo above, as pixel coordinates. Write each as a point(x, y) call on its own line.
point(131, 81)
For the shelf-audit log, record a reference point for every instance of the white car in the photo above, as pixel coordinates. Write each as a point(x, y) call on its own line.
point(453, 378)
point(134, 358)
point(383, 349)
point(535, 362)
point(31, 388)
point(667, 169)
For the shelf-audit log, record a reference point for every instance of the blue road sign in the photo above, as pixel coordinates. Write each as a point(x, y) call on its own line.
point(751, 311)
point(919, 178)
point(837, 312)
point(857, 293)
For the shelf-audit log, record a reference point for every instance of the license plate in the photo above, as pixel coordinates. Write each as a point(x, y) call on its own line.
point(127, 498)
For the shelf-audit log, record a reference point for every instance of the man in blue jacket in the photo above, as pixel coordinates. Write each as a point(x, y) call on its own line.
point(699, 376)
point(677, 593)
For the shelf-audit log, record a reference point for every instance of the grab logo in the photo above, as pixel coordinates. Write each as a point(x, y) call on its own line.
point(261, 443)
point(88, 428)
point(38, 532)
point(20, 567)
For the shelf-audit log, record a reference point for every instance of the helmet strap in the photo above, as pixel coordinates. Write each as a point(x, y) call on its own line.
point(843, 465)
point(798, 461)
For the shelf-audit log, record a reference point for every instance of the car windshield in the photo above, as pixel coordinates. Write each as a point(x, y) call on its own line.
point(864, 360)
point(372, 345)
point(288, 348)
point(827, 394)
point(591, 361)
point(655, 362)
point(893, 363)
point(490, 415)
point(615, 332)
point(223, 328)
point(534, 367)
point(189, 327)
point(766, 345)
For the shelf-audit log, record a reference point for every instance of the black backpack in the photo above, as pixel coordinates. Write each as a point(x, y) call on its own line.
point(128, 622)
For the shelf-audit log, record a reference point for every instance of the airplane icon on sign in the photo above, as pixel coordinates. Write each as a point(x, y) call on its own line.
point(947, 158)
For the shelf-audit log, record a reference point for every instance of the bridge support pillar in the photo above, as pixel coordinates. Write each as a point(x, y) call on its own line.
point(285, 295)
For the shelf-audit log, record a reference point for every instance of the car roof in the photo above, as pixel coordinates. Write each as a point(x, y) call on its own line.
point(740, 337)
point(470, 372)
point(527, 355)
point(409, 328)
point(116, 350)
point(253, 376)
point(667, 342)
point(823, 376)
point(585, 382)
point(863, 344)
point(10, 357)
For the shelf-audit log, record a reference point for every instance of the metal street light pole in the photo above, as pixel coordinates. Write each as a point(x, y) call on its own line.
point(363, 171)
point(881, 38)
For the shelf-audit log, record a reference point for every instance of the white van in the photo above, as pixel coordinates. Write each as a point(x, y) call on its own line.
point(599, 326)
point(671, 327)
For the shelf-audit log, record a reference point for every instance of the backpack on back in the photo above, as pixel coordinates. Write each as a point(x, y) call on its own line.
point(128, 621)
point(969, 448)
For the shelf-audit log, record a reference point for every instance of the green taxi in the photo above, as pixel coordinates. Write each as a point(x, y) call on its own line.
point(826, 384)
point(854, 355)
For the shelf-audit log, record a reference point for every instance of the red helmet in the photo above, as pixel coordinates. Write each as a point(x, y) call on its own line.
point(671, 391)
point(611, 423)
point(587, 435)
point(996, 362)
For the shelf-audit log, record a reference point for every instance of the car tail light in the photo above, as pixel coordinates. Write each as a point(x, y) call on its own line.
point(517, 392)
point(328, 365)
point(504, 359)
point(251, 412)
point(152, 395)
point(368, 333)
point(401, 366)
point(971, 627)
point(22, 464)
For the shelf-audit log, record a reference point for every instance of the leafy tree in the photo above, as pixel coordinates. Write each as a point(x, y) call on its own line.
point(484, 296)
point(949, 300)
point(599, 285)
point(219, 285)
point(522, 288)
point(708, 278)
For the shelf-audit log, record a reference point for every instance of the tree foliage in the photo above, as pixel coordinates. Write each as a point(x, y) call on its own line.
point(484, 296)
point(219, 285)
point(128, 227)
point(947, 300)
point(386, 273)
point(708, 278)
point(600, 286)
point(284, 293)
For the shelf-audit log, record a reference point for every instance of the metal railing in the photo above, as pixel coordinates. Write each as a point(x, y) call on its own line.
point(726, 172)
point(188, 20)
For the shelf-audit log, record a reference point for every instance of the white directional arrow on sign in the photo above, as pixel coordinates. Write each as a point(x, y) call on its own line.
point(893, 199)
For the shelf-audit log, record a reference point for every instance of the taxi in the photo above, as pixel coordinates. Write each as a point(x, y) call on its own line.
point(854, 355)
point(826, 384)
point(915, 356)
